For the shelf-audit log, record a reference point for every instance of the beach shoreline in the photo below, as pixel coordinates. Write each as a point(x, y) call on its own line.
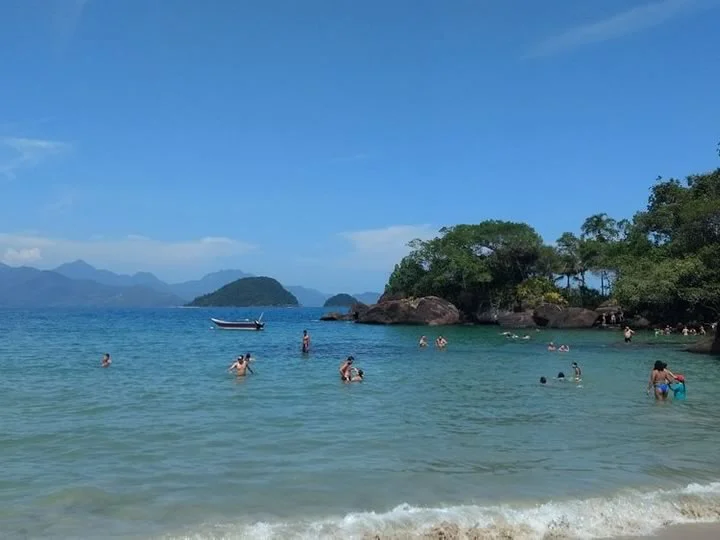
point(447, 531)
point(687, 531)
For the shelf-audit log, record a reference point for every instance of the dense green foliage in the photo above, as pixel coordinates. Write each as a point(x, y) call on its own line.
point(663, 264)
point(340, 300)
point(250, 291)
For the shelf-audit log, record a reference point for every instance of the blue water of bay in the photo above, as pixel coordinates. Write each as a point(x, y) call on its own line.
point(167, 444)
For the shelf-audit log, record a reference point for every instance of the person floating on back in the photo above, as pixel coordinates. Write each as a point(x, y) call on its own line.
point(305, 342)
point(106, 360)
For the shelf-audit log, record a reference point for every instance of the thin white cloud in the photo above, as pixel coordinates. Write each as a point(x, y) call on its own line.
point(19, 257)
point(20, 152)
point(381, 249)
point(621, 24)
point(130, 253)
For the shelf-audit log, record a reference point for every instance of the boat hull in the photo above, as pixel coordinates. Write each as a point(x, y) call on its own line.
point(239, 325)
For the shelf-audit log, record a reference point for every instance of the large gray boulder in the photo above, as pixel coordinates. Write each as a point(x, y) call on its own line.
point(428, 310)
point(520, 319)
point(489, 315)
point(334, 316)
point(353, 313)
point(709, 345)
point(554, 316)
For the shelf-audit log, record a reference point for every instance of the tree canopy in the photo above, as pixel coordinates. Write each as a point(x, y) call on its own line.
point(663, 264)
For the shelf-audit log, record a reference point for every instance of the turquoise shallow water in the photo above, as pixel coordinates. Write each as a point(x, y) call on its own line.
point(166, 444)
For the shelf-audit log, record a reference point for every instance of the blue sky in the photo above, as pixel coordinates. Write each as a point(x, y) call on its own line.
point(311, 140)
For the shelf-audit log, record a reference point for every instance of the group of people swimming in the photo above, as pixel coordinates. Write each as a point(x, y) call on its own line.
point(348, 372)
point(577, 375)
point(440, 342)
point(662, 380)
point(685, 330)
point(510, 335)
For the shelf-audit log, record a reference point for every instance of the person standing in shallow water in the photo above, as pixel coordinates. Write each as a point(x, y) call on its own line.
point(679, 391)
point(305, 342)
point(660, 380)
point(241, 365)
point(346, 369)
point(577, 372)
point(628, 333)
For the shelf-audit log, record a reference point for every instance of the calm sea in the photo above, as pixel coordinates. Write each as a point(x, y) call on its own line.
point(166, 444)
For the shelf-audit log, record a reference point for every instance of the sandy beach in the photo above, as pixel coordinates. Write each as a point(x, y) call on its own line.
point(695, 531)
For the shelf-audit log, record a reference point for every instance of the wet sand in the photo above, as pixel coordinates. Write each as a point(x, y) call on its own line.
point(449, 531)
point(697, 531)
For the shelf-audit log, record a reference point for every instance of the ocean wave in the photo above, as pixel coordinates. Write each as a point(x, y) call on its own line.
point(628, 513)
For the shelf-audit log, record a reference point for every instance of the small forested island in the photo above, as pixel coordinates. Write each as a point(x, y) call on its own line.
point(661, 267)
point(341, 300)
point(250, 291)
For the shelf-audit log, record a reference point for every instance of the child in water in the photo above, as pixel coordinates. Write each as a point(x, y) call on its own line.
point(678, 387)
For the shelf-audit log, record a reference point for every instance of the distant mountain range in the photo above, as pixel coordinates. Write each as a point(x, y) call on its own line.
point(80, 284)
point(30, 287)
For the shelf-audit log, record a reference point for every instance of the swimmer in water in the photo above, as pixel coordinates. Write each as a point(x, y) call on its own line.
point(422, 342)
point(305, 342)
point(441, 342)
point(551, 347)
point(561, 376)
point(628, 333)
point(577, 372)
point(357, 375)
point(543, 380)
point(564, 348)
point(660, 379)
point(679, 388)
point(106, 360)
point(346, 369)
point(241, 366)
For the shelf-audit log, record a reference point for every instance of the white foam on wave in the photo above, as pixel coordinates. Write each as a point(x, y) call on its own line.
point(630, 513)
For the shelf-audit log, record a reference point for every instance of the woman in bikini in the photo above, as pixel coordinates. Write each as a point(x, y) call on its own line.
point(660, 379)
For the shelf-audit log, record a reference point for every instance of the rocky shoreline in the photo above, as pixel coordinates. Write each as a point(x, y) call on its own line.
point(435, 311)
